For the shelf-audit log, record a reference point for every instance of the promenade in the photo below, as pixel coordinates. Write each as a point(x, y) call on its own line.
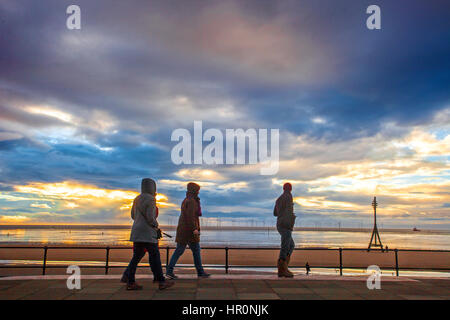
point(226, 287)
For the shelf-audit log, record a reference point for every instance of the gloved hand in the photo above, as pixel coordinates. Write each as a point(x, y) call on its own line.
point(159, 234)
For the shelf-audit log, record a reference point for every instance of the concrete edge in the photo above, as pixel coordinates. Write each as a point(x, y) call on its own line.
point(224, 277)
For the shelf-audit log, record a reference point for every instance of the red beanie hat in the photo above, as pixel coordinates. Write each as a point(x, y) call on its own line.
point(287, 186)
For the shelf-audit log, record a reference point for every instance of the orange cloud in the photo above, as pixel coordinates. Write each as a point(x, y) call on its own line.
point(71, 195)
point(13, 219)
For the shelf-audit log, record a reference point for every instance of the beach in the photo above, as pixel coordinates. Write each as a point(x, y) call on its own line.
point(63, 255)
point(254, 247)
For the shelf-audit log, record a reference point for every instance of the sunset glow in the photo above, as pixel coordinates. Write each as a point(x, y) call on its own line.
point(86, 114)
point(71, 198)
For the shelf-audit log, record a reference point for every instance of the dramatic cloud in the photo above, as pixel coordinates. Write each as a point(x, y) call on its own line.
point(91, 111)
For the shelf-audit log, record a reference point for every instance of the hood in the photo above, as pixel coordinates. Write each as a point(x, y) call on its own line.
point(193, 188)
point(287, 187)
point(148, 186)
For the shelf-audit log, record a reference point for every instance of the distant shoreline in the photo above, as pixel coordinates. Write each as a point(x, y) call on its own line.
point(225, 228)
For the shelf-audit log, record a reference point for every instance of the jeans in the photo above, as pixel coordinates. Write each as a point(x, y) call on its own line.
point(287, 243)
point(153, 257)
point(195, 248)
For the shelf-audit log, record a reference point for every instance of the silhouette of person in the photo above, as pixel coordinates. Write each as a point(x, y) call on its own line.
point(144, 235)
point(188, 232)
point(284, 211)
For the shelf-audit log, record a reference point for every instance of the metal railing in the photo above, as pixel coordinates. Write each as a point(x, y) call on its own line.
point(226, 266)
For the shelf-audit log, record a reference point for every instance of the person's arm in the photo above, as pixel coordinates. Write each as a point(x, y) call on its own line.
point(133, 210)
point(276, 208)
point(150, 214)
point(280, 207)
point(197, 222)
point(290, 207)
point(191, 216)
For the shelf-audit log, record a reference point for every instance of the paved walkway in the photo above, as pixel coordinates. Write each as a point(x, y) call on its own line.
point(227, 287)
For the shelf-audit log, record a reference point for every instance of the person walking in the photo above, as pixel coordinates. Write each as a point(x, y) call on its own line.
point(284, 211)
point(188, 232)
point(145, 235)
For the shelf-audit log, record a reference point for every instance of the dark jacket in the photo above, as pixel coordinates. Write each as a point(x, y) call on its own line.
point(188, 222)
point(284, 211)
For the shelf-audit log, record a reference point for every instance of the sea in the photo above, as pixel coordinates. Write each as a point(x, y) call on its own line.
point(231, 237)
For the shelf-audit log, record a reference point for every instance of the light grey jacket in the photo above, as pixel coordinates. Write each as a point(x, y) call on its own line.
point(143, 213)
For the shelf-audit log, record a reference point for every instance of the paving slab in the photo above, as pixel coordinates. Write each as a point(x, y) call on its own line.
point(216, 296)
point(258, 296)
point(49, 294)
point(420, 297)
point(172, 295)
point(299, 297)
point(293, 291)
point(225, 287)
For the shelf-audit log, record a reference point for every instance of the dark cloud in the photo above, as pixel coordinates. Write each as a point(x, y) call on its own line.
point(399, 73)
point(139, 69)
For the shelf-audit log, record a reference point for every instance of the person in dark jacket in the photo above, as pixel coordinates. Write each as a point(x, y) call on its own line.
point(284, 211)
point(188, 231)
point(144, 235)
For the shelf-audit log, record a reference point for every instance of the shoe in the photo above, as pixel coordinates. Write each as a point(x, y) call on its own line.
point(171, 276)
point(282, 267)
point(124, 279)
point(288, 260)
point(203, 275)
point(166, 284)
point(134, 286)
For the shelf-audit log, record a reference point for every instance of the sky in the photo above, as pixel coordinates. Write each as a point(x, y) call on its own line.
point(86, 114)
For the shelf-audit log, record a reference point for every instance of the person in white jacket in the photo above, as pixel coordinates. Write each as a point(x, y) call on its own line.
point(144, 235)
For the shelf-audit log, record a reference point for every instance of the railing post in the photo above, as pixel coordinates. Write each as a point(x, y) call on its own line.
point(396, 262)
point(340, 261)
point(226, 259)
point(167, 256)
point(107, 260)
point(44, 264)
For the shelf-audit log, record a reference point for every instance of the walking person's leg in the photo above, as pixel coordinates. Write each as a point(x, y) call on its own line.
point(138, 253)
point(173, 260)
point(285, 243)
point(155, 262)
point(195, 248)
point(286, 236)
point(126, 273)
point(291, 248)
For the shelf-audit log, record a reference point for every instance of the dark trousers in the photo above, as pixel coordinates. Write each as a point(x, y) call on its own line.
point(153, 257)
point(287, 243)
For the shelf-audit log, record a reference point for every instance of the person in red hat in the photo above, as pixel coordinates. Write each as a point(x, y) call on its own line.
point(284, 211)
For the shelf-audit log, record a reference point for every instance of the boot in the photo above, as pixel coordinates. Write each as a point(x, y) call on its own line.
point(288, 259)
point(282, 268)
point(204, 275)
point(124, 278)
point(134, 286)
point(166, 284)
